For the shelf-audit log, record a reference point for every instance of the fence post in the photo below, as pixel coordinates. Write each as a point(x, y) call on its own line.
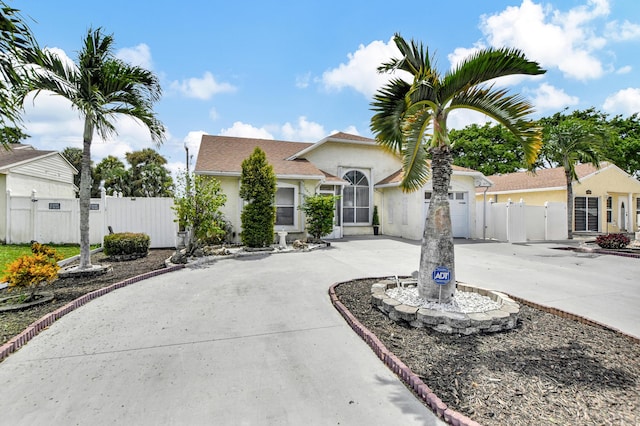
point(7, 231)
point(508, 221)
point(34, 215)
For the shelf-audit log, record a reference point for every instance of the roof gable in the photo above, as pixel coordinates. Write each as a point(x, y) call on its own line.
point(339, 137)
point(20, 154)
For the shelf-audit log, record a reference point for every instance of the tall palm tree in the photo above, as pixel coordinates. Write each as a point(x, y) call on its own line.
point(411, 119)
point(100, 87)
point(569, 142)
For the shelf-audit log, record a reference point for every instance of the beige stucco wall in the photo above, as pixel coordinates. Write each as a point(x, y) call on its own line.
point(233, 207)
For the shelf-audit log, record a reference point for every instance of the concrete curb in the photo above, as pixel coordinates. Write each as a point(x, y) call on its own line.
point(37, 326)
point(414, 382)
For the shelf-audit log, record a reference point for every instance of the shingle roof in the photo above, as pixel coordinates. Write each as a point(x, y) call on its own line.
point(542, 179)
point(224, 154)
point(349, 137)
point(20, 153)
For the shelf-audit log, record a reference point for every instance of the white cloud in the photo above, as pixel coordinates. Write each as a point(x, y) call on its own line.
point(202, 88)
point(554, 38)
point(192, 141)
point(623, 31)
point(139, 55)
point(460, 118)
point(548, 97)
point(213, 114)
point(461, 53)
point(626, 101)
point(624, 70)
point(360, 72)
point(303, 131)
point(244, 130)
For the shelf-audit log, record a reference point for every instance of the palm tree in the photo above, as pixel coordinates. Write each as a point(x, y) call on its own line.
point(569, 142)
point(100, 87)
point(411, 119)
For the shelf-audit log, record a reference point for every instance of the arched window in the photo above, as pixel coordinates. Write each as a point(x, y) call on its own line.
point(355, 198)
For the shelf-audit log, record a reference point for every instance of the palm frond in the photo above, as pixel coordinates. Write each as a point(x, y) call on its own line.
point(508, 110)
point(390, 105)
point(414, 154)
point(485, 65)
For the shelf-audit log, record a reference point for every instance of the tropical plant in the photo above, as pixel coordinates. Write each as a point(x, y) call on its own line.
point(612, 241)
point(32, 270)
point(319, 210)
point(569, 142)
point(101, 87)
point(17, 47)
point(411, 119)
point(258, 190)
point(111, 173)
point(197, 209)
point(148, 175)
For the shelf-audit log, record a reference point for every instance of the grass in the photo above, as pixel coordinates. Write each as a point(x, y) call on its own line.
point(8, 253)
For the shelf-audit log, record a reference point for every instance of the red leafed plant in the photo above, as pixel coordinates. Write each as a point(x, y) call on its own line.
point(613, 241)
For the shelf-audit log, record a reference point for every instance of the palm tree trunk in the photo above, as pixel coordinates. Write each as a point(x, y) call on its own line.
point(437, 241)
point(85, 195)
point(569, 180)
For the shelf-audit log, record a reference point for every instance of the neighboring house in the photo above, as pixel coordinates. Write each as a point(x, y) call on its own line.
point(24, 170)
point(356, 168)
point(605, 199)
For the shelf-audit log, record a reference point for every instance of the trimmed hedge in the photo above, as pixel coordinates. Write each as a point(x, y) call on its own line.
point(126, 243)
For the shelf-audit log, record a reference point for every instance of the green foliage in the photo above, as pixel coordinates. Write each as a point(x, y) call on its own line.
point(258, 189)
point(112, 171)
point(612, 241)
point(375, 219)
point(489, 149)
point(319, 210)
point(197, 203)
point(30, 271)
point(124, 243)
point(148, 176)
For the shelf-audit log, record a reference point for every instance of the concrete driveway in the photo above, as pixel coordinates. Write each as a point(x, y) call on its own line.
point(255, 341)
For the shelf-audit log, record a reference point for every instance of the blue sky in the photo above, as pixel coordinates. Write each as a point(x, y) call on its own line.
point(293, 70)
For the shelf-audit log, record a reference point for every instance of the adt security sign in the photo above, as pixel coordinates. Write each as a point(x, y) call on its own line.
point(441, 275)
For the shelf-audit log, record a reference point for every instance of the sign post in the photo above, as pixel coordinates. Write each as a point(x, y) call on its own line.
point(441, 276)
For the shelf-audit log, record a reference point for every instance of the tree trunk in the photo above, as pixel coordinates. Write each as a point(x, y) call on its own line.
point(85, 196)
point(436, 279)
point(569, 180)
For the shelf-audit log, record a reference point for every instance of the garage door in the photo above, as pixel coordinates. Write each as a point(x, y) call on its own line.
point(459, 206)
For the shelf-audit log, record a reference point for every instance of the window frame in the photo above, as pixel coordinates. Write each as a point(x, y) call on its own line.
point(294, 226)
point(355, 208)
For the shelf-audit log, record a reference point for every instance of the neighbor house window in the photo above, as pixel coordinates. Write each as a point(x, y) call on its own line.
point(355, 198)
point(609, 209)
point(285, 206)
point(585, 214)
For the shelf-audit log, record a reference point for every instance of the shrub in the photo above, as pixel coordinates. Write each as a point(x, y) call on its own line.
point(613, 241)
point(319, 210)
point(32, 270)
point(126, 243)
point(258, 189)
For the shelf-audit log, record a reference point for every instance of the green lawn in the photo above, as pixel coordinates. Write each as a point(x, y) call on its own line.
point(8, 253)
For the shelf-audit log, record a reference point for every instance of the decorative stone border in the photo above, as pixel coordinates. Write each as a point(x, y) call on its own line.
point(504, 318)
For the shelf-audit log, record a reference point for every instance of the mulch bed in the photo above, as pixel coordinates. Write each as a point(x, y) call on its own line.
point(548, 370)
point(66, 290)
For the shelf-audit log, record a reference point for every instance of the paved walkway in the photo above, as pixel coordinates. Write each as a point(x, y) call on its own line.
point(257, 342)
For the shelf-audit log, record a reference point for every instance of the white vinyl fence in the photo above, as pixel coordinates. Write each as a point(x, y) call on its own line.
point(517, 222)
point(58, 220)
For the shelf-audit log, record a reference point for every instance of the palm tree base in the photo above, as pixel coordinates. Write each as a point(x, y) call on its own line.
point(91, 271)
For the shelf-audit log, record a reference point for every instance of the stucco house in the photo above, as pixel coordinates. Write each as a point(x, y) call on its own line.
point(356, 168)
point(24, 169)
point(605, 199)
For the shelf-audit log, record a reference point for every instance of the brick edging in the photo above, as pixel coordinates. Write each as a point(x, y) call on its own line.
point(400, 369)
point(40, 324)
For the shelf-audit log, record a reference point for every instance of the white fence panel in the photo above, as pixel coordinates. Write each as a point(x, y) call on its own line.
point(556, 221)
point(499, 222)
point(151, 216)
point(516, 222)
point(58, 220)
point(535, 222)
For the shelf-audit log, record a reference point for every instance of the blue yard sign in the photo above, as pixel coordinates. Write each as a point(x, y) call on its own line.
point(441, 275)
